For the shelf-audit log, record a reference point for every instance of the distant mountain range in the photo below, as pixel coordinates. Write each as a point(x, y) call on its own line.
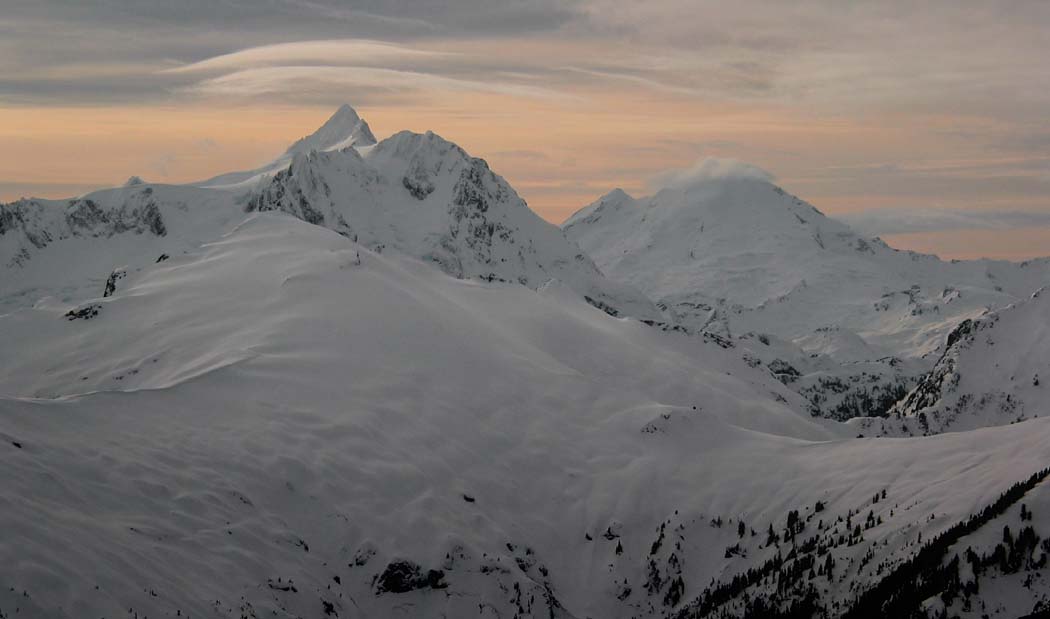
point(366, 380)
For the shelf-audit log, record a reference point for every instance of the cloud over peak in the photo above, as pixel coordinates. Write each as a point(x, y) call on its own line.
point(709, 169)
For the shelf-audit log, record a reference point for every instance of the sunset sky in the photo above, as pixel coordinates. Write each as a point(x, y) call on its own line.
point(926, 123)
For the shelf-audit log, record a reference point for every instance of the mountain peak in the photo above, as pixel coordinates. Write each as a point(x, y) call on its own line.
point(344, 128)
point(614, 201)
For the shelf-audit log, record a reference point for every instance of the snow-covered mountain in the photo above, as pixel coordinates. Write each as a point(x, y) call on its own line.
point(66, 249)
point(425, 196)
point(860, 386)
point(417, 193)
point(737, 254)
point(854, 323)
point(344, 129)
point(286, 423)
point(371, 383)
point(988, 375)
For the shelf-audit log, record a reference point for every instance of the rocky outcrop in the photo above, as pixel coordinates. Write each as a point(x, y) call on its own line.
point(403, 576)
point(36, 224)
point(111, 281)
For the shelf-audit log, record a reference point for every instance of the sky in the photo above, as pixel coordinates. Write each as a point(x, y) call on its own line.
point(926, 123)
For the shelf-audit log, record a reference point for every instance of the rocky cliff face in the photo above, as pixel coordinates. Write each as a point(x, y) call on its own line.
point(427, 197)
point(27, 225)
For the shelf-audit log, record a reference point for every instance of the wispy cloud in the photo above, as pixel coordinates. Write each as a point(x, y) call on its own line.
point(319, 83)
point(889, 221)
point(336, 52)
point(708, 169)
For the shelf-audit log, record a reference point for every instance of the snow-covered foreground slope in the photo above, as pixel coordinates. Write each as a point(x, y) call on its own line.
point(736, 254)
point(285, 423)
point(988, 375)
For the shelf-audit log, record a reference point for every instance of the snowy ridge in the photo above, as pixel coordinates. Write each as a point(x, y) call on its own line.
point(65, 249)
point(855, 323)
point(417, 193)
point(343, 130)
point(424, 196)
point(989, 374)
point(740, 254)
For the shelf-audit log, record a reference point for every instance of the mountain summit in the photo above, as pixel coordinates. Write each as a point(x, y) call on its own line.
point(737, 253)
point(344, 128)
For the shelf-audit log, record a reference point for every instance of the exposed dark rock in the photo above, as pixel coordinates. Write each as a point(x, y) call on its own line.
point(282, 585)
point(417, 180)
point(784, 371)
point(87, 312)
point(403, 576)
point(111, 282)
point(605, 307)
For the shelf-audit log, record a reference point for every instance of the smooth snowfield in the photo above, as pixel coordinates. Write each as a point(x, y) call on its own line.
point(296, 412)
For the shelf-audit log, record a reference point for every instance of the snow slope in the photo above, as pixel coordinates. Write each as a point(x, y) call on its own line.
point(66, 249)
point(736, 253)
point(286, 423)
point(988, 375)
point(369, 382)
point(859, 386)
